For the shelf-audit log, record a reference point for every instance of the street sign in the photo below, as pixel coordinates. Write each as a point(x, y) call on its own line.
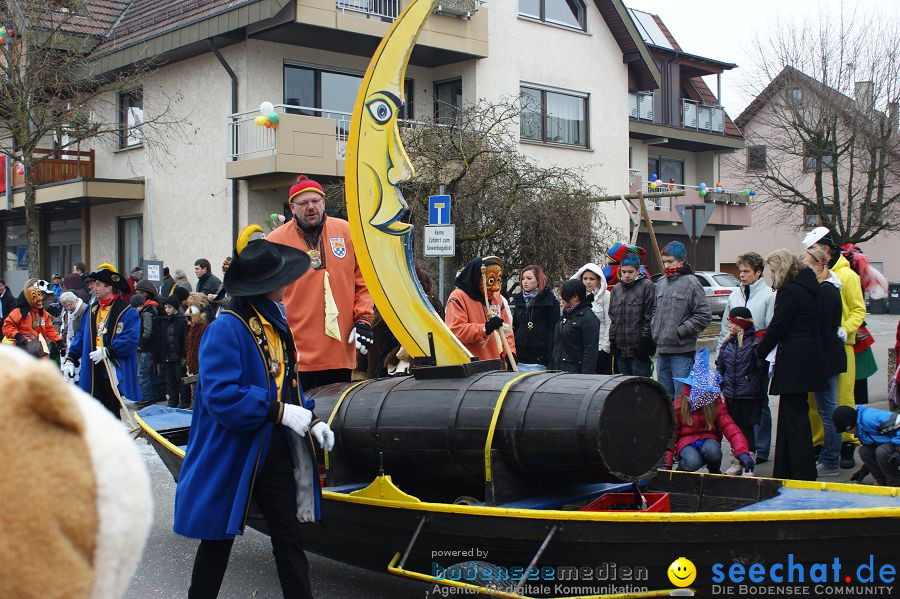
point(694, 217)
point(439, 210)
point(440, 241)
point(153, 272)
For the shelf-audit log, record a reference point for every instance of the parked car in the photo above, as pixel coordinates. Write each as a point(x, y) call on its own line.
point(717, 286)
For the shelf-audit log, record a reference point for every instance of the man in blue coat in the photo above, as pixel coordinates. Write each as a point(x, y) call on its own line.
point(248, 430)
point(106, 343)
point(879, 434)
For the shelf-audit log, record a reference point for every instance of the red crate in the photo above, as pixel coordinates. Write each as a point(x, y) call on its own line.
point(656, 502)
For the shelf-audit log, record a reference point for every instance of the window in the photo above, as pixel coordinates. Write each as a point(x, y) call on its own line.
point(131, 242)
point(796, 96)
point(322, 92)
point(131, 117)
point(569, 13)
point(553, 117)
point(811, 158)
point(665, 169)
point(756, 158)
point(448, 100)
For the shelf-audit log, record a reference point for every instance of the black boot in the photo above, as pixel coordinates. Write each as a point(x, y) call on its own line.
point(847, 460)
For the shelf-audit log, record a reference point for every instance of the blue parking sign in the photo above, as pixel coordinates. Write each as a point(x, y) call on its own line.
point(439, 210)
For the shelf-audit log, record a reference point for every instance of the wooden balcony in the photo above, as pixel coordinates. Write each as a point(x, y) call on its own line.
point(61, 165)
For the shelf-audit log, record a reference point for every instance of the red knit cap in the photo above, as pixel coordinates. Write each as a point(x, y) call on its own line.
point(304, 184)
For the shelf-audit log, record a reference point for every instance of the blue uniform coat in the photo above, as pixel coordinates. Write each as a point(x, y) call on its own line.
point(230, 433)
point(123, 333)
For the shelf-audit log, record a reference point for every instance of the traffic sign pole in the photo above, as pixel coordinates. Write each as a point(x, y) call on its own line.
point(441, 296)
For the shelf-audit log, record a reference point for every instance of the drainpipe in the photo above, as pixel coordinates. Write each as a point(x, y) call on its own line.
point(234, 109)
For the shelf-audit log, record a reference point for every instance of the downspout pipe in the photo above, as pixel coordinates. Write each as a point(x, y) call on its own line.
point(234, 109)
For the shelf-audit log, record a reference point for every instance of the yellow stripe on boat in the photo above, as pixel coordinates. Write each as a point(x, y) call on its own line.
point(159, 438)
point(334, 411)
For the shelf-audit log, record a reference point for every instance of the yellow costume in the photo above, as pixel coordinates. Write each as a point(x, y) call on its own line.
point(853, 312)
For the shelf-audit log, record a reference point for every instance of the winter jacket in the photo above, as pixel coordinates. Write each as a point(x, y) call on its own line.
point(28, 322)
point(7, 303)
point(600, 306)
point(150, 326)
point(630, 312)
point(72, 322)
point(758, 298)
point(697, 430)
point(534, 325)
point(868, 421)
point(466, 318)
point(681, 313)
point(744, 374)
point(575, 341)
point(795, 330)
point(853, 308)
point(830, 310)
point(208, 283)
point(305, 297)
point(172, 337)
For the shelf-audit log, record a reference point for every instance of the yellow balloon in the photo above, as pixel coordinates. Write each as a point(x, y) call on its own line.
point(261, 120)
point(376, 164)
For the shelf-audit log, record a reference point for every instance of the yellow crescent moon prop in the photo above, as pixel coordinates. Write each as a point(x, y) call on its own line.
point(376, 164)
point(244, 238)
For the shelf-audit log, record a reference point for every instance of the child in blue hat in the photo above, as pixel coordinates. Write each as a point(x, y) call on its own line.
point(701, 419)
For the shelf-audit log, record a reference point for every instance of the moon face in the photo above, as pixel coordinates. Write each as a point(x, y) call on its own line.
point(376, 164)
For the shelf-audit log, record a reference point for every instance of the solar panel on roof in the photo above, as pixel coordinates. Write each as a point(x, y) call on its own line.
point(650, 31)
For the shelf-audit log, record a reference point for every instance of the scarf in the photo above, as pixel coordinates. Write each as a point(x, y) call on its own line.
point(529, 296)
point(570, 309)
point(673, 270)
point(105, 303)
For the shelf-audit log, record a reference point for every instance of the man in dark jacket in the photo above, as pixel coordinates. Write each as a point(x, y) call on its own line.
point(207, 283)
point(680, 315)
point(174, 333)
point(577, 337)
point(7, 300)
point(151, 378)
point(630, 310)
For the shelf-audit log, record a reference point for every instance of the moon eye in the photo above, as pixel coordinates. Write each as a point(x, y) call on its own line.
point(381, 111)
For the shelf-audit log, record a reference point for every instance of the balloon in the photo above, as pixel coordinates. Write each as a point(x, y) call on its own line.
point(703, 185)
point(261, 120)
point(266, 108)
point(752, 193)
point(746, 192)
point(273, 117)
point(281, 218)
point(273, 216)
point(653, 184)
point(653, 177)
point(703, 193)
point(269, 125)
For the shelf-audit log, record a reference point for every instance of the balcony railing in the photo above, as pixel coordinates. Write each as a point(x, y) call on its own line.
point(384, 9)
point(640, 106)
point(60, 165)
point(703, 117)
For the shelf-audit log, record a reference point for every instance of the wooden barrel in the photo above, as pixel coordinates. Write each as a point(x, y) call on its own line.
point(552, 427)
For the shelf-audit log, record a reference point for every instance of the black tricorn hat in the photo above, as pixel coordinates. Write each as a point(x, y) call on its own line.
point(260, 266)
point(111, 278)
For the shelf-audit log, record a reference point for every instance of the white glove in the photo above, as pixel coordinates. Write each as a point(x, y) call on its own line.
point(97, 355)
point(296, 418)
point(362, 335)
point(68, 369)
point(324, 435)
point(842, 334)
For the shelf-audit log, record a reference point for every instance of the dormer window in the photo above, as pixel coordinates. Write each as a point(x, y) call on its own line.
point(567, 13)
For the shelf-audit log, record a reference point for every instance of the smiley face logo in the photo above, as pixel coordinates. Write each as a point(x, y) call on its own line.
point(682, 572)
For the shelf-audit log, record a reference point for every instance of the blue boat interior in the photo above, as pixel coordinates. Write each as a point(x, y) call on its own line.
point(690, 494)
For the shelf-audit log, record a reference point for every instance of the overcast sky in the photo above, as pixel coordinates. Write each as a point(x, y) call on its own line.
point(726, 30)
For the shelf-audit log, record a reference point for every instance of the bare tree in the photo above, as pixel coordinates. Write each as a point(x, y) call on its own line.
point(51, 96)
point(826, 111)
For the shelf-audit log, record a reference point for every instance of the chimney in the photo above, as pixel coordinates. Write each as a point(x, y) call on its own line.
point(863, 91)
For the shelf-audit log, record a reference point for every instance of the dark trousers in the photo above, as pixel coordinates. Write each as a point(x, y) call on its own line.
point(103, 392)
point(604, 362)
point(794, 457)
point(173, 373)
point(633, 366)
point(275, 494)
point(883, 462)
point(319, 378)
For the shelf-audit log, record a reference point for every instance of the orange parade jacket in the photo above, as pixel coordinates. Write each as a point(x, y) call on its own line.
point(466, 319)
point(33, 325)
point(305, 297)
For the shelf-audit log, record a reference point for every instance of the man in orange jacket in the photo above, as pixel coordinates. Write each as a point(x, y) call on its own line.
point(30, 321)
point(467, 316)
point(329, 308)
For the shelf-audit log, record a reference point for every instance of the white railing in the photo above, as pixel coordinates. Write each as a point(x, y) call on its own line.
point(384, 9)
point(640, 105)
point(704, 117)
point(247, 139)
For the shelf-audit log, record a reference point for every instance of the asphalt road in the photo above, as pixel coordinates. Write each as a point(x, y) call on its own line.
point(165, 569)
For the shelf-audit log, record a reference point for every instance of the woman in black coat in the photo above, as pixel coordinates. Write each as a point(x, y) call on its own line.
point(834, 357)
point(795, 330)
point(577, 338)
point(535, 313)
